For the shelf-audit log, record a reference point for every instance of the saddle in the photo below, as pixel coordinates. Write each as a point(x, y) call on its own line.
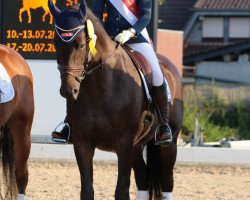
point(143, 68)
point(139, 60)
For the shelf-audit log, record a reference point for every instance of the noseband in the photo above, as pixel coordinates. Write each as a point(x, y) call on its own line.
point(84, 71)
point(70, 71)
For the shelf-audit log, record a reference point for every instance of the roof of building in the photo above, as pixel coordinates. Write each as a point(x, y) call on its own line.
point(222, 4)
point(173, 14)
point(198, 51)
point(191, 48)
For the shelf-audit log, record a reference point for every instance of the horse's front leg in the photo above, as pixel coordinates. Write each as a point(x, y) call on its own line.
point(140, 171)
point(84, 155)
point(124, 152)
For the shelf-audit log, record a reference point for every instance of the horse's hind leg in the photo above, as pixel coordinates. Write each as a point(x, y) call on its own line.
point(168, 161)
point(169, 154)
point(20, 128)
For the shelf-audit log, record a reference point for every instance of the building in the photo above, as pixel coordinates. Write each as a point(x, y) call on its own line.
point(216, 37)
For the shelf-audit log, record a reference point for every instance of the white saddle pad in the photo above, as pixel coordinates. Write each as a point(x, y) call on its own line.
point(7, 92)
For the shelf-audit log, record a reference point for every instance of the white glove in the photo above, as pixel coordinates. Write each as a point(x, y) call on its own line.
point(124, 36)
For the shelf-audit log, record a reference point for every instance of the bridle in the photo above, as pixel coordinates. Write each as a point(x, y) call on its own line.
point(83, 69)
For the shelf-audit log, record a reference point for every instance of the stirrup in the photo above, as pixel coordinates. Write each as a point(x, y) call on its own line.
point(62, 140)
point(167, 141)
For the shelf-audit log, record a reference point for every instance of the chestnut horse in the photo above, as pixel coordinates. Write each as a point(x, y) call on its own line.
point(16, 118)
point(105, 99)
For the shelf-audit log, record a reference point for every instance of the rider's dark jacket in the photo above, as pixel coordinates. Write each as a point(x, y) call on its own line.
point(116, 23)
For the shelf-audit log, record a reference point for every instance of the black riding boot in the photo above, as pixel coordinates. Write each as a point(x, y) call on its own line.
point(64, 134)
point(163, 132)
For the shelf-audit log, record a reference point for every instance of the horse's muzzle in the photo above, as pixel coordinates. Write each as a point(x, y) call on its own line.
point(70, 94)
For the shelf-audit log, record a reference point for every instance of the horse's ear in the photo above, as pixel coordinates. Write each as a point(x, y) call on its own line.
point(83, 8)
point(53, 9)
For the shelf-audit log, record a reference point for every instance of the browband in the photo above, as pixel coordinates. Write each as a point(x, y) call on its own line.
point(68, 35)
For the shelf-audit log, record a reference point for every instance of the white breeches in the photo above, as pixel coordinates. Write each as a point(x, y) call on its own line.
point(148, 52)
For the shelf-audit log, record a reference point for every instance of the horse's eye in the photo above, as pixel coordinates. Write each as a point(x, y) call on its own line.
point(81, 46)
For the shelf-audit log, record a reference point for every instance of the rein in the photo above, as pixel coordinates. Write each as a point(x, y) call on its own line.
point(87, 72)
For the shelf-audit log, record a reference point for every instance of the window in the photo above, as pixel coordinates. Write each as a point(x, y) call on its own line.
point(239, 27)
point(212, 27)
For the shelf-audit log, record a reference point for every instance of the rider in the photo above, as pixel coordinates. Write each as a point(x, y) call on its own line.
point(126, 21)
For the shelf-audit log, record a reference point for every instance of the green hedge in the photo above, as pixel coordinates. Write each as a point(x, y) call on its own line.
point(219, 120)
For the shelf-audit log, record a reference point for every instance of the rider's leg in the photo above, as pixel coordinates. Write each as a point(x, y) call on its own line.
point(63, 135)
point(164, 135)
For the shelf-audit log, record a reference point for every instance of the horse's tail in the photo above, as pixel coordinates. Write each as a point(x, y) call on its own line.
point(154, 167)
point(8, 165)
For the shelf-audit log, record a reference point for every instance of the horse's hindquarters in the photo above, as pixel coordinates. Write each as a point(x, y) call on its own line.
point(16, 121)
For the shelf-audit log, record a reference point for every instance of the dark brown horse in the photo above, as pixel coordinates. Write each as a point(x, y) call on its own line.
point(16, 118)
point(105, 99)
